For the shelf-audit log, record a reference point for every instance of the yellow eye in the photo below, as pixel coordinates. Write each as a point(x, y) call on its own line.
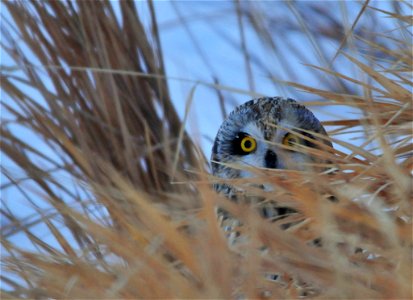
point(248, 144)
point(291, 140)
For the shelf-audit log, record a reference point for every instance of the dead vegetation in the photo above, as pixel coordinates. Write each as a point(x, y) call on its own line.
point(123, 193)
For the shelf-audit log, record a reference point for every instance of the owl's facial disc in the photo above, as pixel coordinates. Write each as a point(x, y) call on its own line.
point(260, 134)
point(260, 145)
point(251, 148)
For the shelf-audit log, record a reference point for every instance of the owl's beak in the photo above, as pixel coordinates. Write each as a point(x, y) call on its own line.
point(271, 159)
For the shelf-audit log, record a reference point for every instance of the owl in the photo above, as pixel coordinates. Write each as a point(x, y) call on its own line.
point(268, 133)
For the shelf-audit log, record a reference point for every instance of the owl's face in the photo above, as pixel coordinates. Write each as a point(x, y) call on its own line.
point(255, 135)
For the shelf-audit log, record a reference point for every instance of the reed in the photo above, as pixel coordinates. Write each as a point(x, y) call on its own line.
point(123, 193)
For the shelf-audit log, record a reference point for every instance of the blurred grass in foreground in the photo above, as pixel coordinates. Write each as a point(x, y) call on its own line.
point(141, 221)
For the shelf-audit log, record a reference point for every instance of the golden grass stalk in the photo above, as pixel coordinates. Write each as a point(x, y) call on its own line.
point(127, 218)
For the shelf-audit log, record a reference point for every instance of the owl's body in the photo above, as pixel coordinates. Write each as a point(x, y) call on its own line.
point(261, 133)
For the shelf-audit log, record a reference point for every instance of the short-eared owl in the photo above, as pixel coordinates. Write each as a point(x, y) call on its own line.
point(271, 133)
point(265, 133)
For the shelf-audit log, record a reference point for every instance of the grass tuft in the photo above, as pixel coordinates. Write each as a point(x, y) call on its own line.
point(120, 195)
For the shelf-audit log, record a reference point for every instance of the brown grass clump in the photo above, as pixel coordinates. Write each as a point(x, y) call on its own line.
point(122, 197)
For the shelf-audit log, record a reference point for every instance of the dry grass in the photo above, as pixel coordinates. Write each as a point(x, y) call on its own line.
point(126, 193)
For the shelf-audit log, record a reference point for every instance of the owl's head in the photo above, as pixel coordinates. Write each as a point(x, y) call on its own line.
point(266, 133)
